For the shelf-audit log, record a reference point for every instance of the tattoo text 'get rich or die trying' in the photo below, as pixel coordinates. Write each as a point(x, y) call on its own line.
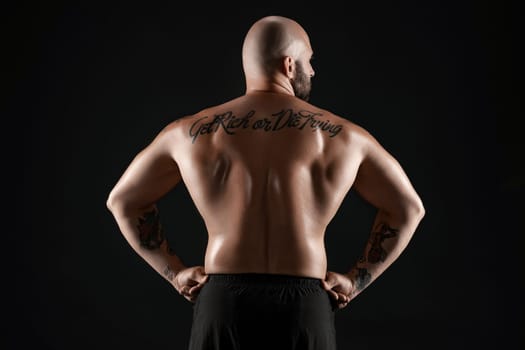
point(285, 118)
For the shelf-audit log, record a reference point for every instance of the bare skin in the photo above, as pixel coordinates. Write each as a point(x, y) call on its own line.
point(268, 172)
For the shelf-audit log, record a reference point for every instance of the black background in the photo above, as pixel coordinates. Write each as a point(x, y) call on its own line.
point(434, 82)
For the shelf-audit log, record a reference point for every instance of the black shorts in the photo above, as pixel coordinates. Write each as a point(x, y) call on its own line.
point(252, 311)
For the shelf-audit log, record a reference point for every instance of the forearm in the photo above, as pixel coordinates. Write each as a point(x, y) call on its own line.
point(143, 231)
point(388, 238)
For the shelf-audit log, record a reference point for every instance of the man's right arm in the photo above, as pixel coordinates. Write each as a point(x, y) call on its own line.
point(132, 201)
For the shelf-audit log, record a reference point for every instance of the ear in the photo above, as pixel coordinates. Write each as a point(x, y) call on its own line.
point(289, 67)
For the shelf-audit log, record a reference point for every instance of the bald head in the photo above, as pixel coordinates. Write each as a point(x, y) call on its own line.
point(268, 41)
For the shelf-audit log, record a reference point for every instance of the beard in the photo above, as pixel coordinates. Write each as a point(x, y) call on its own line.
point(301, 84)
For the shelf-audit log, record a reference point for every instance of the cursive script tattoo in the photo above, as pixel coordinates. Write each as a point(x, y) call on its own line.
point(151, 234)
point(286, 118)
point(377, 253)
point(226, 121)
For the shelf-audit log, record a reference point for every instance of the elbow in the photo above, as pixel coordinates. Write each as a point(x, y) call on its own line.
point(416, 210)
point(120, 204)
point(409, 211)
point(420, 208)
point(422, 211)
point(110, 203)
point(113, 203)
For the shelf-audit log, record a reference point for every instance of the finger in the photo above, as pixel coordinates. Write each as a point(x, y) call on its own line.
point(329, 278)
point(187, 296)
point(184, 290)
point(202, 278)
point(195, 289)
point(333, 294)
point(343, 303)
point(325, 285)
point(197, 272)
point(197, 283)
point(343, 297)
point(328, 284)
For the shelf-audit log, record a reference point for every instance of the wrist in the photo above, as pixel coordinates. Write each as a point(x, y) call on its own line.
point(352, 277)
point(174, 280)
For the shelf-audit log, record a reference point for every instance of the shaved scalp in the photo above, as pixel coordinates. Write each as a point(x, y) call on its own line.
point(268, 41)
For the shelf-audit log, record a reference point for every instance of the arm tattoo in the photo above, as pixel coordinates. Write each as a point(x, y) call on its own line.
point(362, 279)
point(377, 253)
point(151, 234)
point(170, 250)
point(169, 273)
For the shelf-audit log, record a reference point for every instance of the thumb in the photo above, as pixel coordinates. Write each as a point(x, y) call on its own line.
point(329, 282)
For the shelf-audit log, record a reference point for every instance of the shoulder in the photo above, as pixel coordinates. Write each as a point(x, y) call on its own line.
point(351, 132)
point(185, 122)
point(358, 139)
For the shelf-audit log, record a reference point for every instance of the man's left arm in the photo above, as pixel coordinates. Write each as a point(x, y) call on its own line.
point(151, 175)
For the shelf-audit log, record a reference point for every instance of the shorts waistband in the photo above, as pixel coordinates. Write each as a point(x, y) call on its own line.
point(263, 279)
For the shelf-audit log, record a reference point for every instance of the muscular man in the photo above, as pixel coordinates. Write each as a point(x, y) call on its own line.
point(267, 171)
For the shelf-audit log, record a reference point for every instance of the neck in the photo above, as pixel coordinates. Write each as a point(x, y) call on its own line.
point(279, 86)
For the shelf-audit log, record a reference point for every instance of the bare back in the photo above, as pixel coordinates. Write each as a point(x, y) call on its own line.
point(267, 172)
